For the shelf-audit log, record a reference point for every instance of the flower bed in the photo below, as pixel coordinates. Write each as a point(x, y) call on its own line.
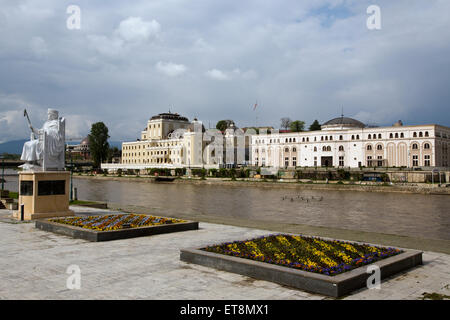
point(328, 257)
point(115, 221)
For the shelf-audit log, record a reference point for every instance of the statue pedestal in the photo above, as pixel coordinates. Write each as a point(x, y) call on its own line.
point(44, 194)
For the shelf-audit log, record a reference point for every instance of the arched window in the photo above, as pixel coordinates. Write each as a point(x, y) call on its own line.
point(294, 150)
point(370, 136)
point(420, 134)
point(353, 137)
point(341, 138)
point(379, 136)
point(328, 148)
point(307, 139)
point(396, 135)
point(402, 135)
point(415, 134)
point(426, 134)
point(379, 147)
point(415, 146)
point(315, 149)
point(369, 147)
point(331, 137)
point(391, 135)
point(293, 140)
point(286, 150)
point(321, 138)
point(341, 148)
point(286, 140)
point(426, 146)
point(303, 140)
point(357, 137)
point(290, 139)
point(324, 148)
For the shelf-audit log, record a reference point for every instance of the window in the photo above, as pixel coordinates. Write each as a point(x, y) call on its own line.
point(396, 135)
point(379, 136)
point(353, 137)
point(426, 134)
point(369, 147)
point(426, 146)
point(331, 137)
point(415, 146)
point(420, 134)
point(402, 135)
point(286, 162)
point(328, 148)
point(415, 134)
point(369, 161)
point(286, 150)
point(341, 161)
point(294, 161)
point(391, 135)
point(341, 138)
point(370, 136)
point(324, 148)
point(294, 150)
point(415, 160)
point(380, 161)
point(341, 148)
point(321, 138)
point(315, 149)
point(379, 147)
point(357, 137)
point(427, 161)
point(303, 140)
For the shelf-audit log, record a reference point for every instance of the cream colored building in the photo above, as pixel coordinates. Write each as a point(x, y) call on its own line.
point(169, 140)
point(346, 142)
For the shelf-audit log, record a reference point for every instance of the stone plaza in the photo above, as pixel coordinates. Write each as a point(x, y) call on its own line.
point(34, 266)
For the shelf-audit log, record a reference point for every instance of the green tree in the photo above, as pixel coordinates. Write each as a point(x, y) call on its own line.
point(315, 126)
point(222, 125)
point(297, 126)
point(98, 143)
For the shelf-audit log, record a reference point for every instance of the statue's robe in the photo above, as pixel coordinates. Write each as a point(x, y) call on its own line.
point(32, 150)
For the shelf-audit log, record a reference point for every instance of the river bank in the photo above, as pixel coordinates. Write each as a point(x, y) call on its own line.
point(416, 188)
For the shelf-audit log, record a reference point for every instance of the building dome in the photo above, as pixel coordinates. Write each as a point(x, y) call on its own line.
point(85, 141)
point(343, 123)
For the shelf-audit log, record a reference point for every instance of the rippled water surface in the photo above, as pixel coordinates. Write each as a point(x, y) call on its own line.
point(423, 216)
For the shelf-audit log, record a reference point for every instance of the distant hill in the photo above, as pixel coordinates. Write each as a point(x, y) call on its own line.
point(12, 147)
point(15, 146)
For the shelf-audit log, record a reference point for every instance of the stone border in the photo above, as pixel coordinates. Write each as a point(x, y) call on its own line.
point(334, 286)
point(96, 236)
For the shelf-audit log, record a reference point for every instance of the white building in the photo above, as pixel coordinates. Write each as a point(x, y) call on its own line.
point(346, 142)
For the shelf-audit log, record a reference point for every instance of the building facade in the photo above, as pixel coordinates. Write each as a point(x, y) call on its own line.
point(346, 142)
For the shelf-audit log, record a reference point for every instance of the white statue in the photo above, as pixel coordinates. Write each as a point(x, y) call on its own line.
point(46, 148)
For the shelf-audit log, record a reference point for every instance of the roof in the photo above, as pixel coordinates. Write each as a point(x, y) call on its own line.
point(344, 121)
point(169, 116)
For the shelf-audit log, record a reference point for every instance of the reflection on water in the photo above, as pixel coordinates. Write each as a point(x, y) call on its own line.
point(423, 216)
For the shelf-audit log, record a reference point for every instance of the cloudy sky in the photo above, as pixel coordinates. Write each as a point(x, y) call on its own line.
point(213, 59)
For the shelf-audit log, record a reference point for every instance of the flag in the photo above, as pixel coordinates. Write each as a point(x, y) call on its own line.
point(254, 107)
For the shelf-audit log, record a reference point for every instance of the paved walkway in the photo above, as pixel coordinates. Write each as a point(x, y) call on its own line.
point(33, 265)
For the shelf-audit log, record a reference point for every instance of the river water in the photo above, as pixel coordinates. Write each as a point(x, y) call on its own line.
point(416, 215)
